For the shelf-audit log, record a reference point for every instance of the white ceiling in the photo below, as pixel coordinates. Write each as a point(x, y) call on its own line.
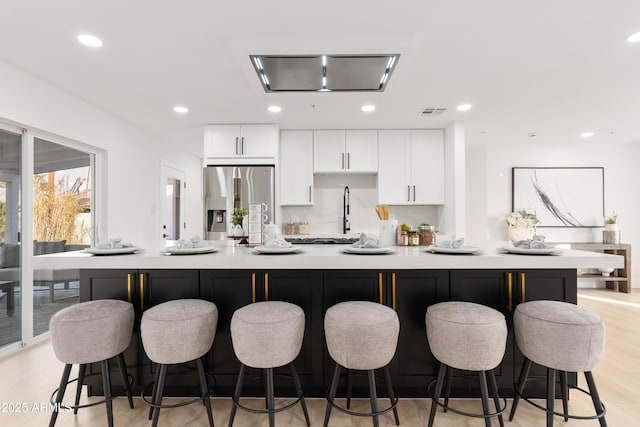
point(553, 67)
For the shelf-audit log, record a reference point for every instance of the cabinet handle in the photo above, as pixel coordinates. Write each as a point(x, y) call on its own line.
point(348, 160)
point(414, 193)
point(309, 193)
point(509, 291)
point(242, 145)
point(129, 280)
point(380, 287)
point(253, 287)
point(523, 286)
point(342, 161)
point(266, 286)
point(141, 291)
point(408, 193)
point(393, 291)
point(237, 146)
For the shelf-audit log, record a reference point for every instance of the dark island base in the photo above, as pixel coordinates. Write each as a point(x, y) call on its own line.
point(409, 292)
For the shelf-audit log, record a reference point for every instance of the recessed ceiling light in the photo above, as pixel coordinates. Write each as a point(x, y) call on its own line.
point(586, 134)
point(368, 108)
point(463, 107)
point(634, 38)
point(89, 40)
point(180, 109)
point(274, 109)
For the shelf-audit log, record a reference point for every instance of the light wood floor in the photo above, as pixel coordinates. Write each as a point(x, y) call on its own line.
point(27, 379)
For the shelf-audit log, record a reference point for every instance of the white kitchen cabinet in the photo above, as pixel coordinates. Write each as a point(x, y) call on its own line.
point(411, 167)
point(354, 151)
point(244, 143)
point(296, 168)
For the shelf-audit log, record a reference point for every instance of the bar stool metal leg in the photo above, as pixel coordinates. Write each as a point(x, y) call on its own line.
point(565, 394)
point(296, 381)
point(496, 398)
point(122, 366)
point(332, 394)
point(349, 388)
point(81, 372)
point(551, 395)
point(595, 397)
point(524, 374)
point(392, 397)
point(373, 396)
point(447, 387)
point(270, 398)
point(106, 383)
point(236, 394)
point(60, 396)
point(204, 390)
point(156, 380)
point(484, 391)
point(158, 397)
point(436, 394)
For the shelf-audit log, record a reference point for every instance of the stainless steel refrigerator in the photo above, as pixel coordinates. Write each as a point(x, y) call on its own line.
point(230, 187)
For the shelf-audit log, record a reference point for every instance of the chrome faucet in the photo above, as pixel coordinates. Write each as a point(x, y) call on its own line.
point(345, 211)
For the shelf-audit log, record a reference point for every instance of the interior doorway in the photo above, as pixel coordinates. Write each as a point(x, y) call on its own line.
point(172, 189)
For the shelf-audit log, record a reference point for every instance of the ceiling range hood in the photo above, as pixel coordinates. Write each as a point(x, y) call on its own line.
point(324, 73)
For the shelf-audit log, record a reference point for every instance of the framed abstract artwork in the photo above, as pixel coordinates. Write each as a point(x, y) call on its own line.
point(560, 197)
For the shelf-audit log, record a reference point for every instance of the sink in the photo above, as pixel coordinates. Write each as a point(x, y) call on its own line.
point(321, 240)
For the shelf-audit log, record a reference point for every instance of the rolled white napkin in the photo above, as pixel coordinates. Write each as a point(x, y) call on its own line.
point(278, 242)
point(366, 242)
point(114, 243)
point(455, 244)
point(194, 242)
point(537, 242)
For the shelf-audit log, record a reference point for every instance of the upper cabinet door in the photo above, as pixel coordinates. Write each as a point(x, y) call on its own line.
point(296, 168)
point(361, 147)
point(345, 151)
point(394, 186)
point(329, 151)
point(241, 142)
point(427, 167)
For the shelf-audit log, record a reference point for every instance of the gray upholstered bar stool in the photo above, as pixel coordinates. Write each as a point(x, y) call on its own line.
point(176, 332)
point(469, 337)
point(89, 332)
point(362, 335)
point(267, 335)
point(561, 337)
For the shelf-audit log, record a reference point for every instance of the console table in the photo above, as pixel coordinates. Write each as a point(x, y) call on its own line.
point(620, 278)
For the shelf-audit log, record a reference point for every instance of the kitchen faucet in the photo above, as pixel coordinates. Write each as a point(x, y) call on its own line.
point(345, 211)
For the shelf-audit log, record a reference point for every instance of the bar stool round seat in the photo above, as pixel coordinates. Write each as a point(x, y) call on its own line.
point(88, 332)
point(470, 337)
point(177, 332)
point(266, 335)
point(361, 335)
point(561, 337)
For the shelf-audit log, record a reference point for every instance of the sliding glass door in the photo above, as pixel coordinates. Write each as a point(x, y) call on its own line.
point(10, 262)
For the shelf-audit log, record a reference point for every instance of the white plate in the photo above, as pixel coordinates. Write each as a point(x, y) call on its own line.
point(191, 251)
point(523, 251)
point(461, 250)
point(113, 251)
point(277, 250)
point(367, 251)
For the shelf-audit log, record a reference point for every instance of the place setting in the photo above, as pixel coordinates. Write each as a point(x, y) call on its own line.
point(532, 246)
point(367, 246)
point(114, 246)
point(276, 244)
point(453, 247)
point(193, 246)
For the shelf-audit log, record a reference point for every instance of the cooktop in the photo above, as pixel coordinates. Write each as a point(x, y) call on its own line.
point(321, 240)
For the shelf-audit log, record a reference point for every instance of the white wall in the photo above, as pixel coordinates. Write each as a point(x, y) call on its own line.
point(133, 155)
point(488, 187)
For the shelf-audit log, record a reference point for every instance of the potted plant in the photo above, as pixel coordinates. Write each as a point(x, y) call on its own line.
point(611, 234)
point(237, 220)
point(521, 225)
point(611, 222)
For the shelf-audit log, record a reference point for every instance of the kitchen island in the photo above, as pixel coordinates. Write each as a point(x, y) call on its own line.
point(409, 280)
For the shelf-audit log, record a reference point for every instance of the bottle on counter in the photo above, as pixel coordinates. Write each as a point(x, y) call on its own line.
point(427, 235)
point(413, 237)
point(303, 228)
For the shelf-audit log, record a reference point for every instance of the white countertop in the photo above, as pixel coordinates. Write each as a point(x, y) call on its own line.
point(230, 256)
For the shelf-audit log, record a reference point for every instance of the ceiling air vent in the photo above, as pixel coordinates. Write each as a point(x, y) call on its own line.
point(432, 111)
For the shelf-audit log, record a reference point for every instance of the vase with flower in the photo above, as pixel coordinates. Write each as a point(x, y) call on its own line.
point(611, 234)
point(521, 225)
